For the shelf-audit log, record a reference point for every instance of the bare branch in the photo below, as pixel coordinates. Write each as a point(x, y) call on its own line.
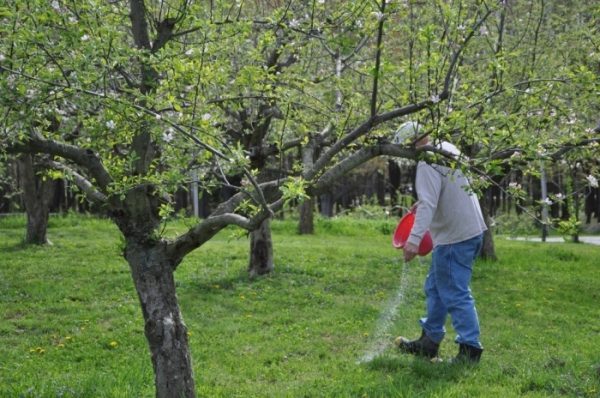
point(85, 158)
point(204, 231)
point(82, 183)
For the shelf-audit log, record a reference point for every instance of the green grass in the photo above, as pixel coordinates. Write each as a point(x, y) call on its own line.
point(70, 325)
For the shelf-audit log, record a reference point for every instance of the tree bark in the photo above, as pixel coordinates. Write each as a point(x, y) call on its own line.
point(261, 250)
point(306, 225)
point(488, 250)
point(36, 196)
point(326, 201)
point(165, 331)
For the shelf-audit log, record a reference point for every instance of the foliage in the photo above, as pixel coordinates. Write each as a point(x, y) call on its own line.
point(514, 225)
point(569, 228)
point(70, 328)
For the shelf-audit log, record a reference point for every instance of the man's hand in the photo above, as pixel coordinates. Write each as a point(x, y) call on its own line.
point(410, 251)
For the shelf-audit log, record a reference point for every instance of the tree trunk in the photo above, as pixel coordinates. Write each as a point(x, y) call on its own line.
point(306, 224)
point(261, 250)
point(152, 274)
point(488, 250)
point(36, 195)
point(326, 201)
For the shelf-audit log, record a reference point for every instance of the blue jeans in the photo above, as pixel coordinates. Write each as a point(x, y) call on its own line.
point(447, 292)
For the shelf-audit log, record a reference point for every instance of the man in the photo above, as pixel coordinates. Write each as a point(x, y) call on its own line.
point(452, 214)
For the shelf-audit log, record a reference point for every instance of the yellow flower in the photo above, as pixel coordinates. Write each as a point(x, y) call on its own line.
point(113, 344)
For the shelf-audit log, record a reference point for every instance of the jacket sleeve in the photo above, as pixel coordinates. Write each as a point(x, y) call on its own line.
point(428, 184)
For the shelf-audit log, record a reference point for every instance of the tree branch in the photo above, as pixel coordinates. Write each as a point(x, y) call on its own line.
point(81, 182)
point(85, 158)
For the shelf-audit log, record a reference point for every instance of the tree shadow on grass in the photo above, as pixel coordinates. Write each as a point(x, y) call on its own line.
point(23, 246)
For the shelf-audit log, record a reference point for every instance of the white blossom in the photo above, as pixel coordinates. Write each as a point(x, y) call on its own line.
point(111, 124)
point(593, 181)
point(2, 57)
point(560, 196)
point(168, 135)
point(547, 202)
point(206, 116)
point(189, 52)
point(514, 185)
point(378, 15)
point(85, 38)
point(56, 5)
point(294, 23)
point(435, 98)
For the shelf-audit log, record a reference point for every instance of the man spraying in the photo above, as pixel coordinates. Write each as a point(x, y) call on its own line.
point(452, 214)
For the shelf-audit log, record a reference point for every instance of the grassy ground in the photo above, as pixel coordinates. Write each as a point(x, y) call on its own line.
point(70, 324)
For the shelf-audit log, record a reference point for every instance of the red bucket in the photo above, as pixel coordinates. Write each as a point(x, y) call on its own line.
point(402, 233)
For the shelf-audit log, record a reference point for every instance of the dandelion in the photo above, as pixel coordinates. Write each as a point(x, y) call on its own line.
point(37, 350)
point(593, 181)
point(113, 344)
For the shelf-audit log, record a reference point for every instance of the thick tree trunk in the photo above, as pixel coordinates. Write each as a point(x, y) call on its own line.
point(165, 331)
point(261, 250)
point(36, 196)
point(306, 225)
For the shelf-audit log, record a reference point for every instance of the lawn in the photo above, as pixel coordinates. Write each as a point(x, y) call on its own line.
point(320, 326)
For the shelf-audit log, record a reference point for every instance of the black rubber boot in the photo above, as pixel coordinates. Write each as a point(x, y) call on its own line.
point(468, 354)
point(423, 346)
